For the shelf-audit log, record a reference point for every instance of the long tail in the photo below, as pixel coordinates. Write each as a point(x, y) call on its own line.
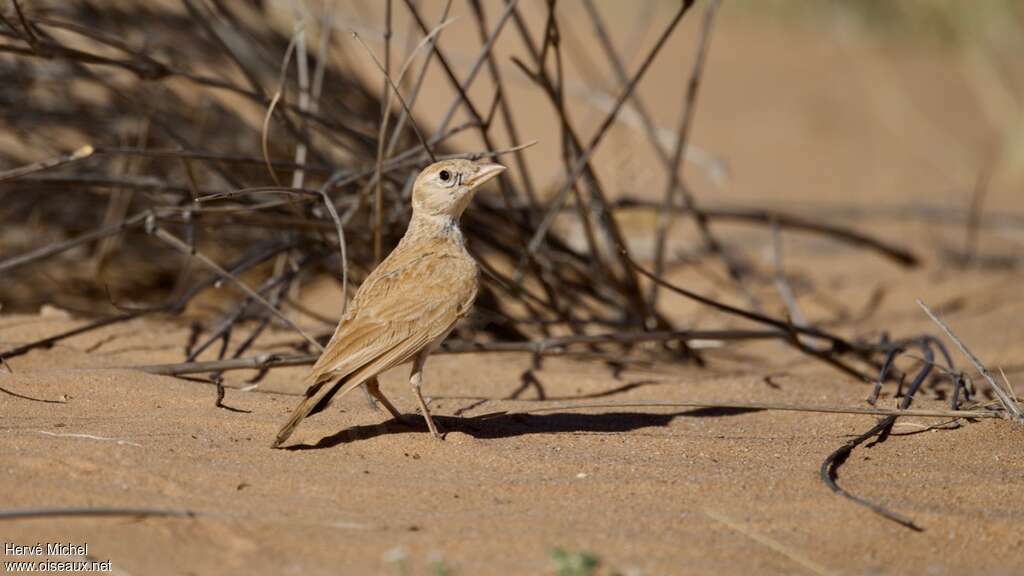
point(313, 403)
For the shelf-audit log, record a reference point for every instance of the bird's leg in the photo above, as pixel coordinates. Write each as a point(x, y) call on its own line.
point(369, 395)
point(416, 379)
point(373, 387)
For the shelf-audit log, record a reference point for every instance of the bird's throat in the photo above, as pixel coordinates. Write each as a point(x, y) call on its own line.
point(434, 226)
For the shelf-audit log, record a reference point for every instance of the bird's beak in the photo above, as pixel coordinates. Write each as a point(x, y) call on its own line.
point(486, 171)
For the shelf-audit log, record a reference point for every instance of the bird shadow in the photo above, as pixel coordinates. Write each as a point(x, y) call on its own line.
point(509, 425)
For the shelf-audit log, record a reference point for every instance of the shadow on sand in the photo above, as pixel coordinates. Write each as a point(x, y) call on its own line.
point(499, 425)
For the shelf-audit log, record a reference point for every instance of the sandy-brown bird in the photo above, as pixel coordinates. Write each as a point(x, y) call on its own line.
point(410, 302)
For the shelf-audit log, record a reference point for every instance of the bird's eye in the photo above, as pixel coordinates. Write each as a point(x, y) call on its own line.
point(445, 175)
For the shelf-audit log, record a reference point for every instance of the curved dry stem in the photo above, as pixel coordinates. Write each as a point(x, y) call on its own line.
point(398, 93)
point(265, 131)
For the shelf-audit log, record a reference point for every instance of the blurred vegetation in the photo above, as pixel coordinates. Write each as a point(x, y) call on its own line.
point(574, 563)
point(982, 39)
point(948, 22)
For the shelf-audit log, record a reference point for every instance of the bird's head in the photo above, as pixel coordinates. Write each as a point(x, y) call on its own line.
point(446, 187)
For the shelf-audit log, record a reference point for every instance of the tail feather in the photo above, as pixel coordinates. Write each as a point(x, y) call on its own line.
point(315, 401)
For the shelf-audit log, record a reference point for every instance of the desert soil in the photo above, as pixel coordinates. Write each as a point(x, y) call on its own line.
point(796, 111)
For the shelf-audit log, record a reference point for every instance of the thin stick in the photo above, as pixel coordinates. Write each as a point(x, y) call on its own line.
point(981, 186)
point(342, 246)
point(629, 287)
point(58, 247)
point(839, 344)
point(246, 262)
point(786, 291)
point(755, 316)
point(582, 161)
point(505, 109)
point(544, 347)
point(302, 69)
point(223, 330)
point(30, 34)
point(257, 91)
point(323, 55)
point(673, 168)
point(265, 132)
point(263, 361)
point(272, 361)
point(120, 200)
point(661, 139)
point(24, 397)
point(137, 183)
point(256, 190)
point(385, 113)
point(445, 65)
point(430, 40)
point(51, 340)
point(1004, 397)
point(149, 68)
point(28, 513)
point(675, 177)
point(920, 413)
point(427, 41)
point(770, 543)
point(547, 346)
point(398, 94)
point(79, 154)
point(491, 153)
point(184, 248)
point(205, 156)
point(603, 273)
point(898, 254)
point(781, 283)
point(475, 68)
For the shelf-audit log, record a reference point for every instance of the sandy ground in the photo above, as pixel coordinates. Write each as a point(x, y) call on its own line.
point(655, 491)
point(649, 491)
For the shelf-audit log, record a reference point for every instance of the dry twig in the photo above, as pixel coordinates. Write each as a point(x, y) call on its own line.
point(1012, 408)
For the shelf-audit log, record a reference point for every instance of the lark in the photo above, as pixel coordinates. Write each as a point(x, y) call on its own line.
point(410, 302)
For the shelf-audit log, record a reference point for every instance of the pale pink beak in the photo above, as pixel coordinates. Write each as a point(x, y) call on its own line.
point(486, 172)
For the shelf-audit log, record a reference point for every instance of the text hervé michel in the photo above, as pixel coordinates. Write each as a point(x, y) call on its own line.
point(46, 549)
